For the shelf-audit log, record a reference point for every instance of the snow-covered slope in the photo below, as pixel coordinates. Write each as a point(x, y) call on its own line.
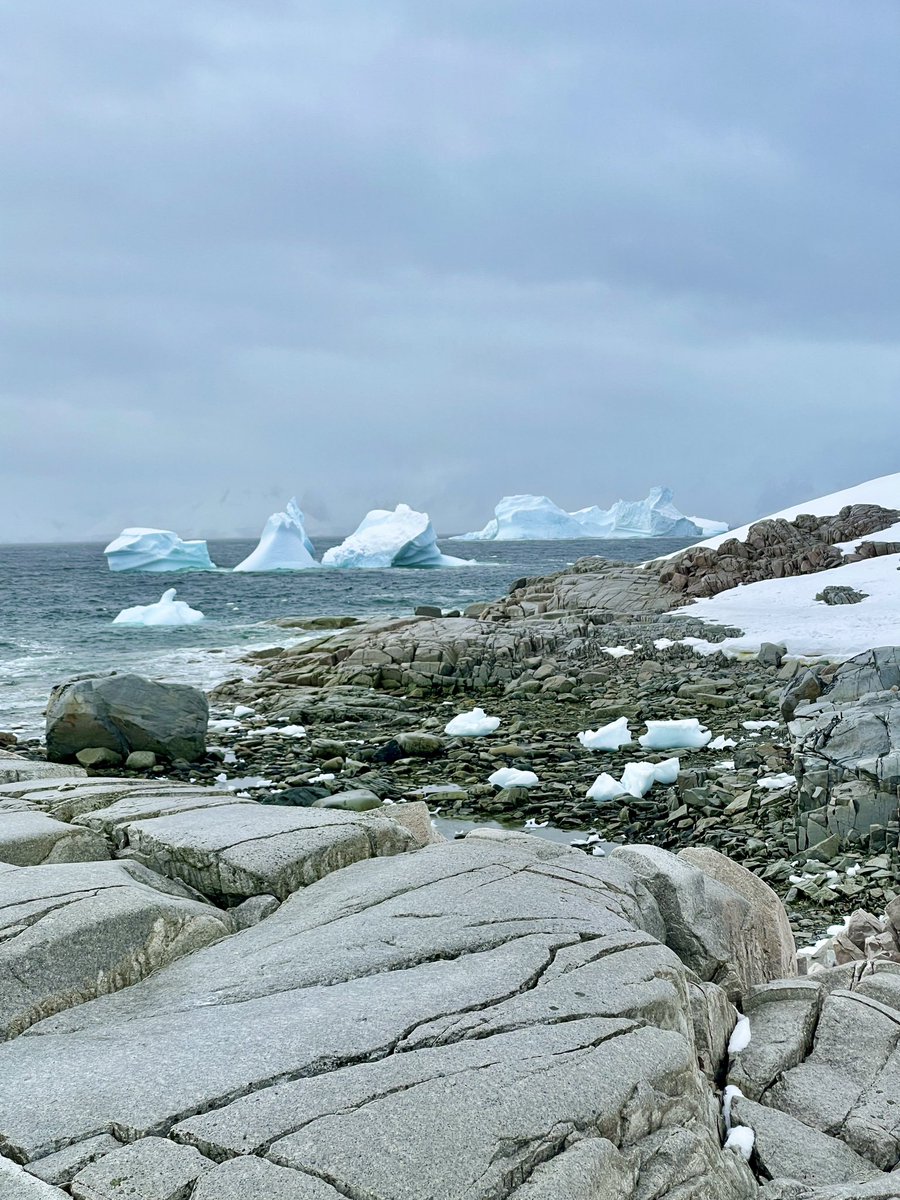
point(402, 538)
point(538, 518)
point(283, 544)
point(137, 549)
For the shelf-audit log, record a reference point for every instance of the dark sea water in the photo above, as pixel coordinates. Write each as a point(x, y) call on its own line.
point(57, 604)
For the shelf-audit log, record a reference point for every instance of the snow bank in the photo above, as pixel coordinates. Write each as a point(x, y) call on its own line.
point(687, 734)
point(786, 611)
point(537, 517)
point(741, 1138)
point(740, 1036)
point(509, 777)
point(283, 544)
point(607, 737)
point(402, 538)
point(166, 611)
point(137, 549)
point(472, 724)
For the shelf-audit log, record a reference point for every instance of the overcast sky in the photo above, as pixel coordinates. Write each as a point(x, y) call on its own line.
point(370, 251)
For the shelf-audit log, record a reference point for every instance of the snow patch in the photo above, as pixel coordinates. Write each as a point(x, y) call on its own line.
point(740, 1036)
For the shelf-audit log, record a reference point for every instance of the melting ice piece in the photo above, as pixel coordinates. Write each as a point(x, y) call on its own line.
point(687, 734)
point(666, 771)
point(638, 778)
point(244, 710)
point(472, 724)
point(283, 544)
point(166, 611)
point(605, 787)
point(293, 731)
point(607, 737)
point(402, 538)
point(760, 724)
point(781, 780)
point(137, 549)
point(509, 777)
point(721, 743)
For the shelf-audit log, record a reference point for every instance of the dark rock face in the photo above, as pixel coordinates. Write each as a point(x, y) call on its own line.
point(776, 549)
point(124, 713)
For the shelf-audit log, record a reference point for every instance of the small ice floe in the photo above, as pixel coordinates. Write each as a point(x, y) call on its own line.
point(741, 1138)
point(687, 734)
point(721, 743)
point(740, 1036)
point(223, 725)
point(730, 1094)
point(531, 823)
point(604, 788)
point(472, 724)
point(759, 724)
point(244, 710)
point(607, 737)
point(292, 731)
point(510, 777)
point(617, 651)
point(321, 777)
point(166, 611)
point(782, 780)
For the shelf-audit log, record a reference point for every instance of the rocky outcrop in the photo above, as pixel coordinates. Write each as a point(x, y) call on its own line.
point(123, 713)
point(776, 549)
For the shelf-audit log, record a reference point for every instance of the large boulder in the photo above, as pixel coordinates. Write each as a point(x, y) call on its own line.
point(125, 713)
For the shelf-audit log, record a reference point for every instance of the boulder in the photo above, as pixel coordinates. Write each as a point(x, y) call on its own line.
point(124, 713)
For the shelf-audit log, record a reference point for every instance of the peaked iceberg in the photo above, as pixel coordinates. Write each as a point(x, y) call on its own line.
point(283, 544)
point(402, 538)
point(526, 518)
point(138, 549)
point(656, 516)
point(166, 611)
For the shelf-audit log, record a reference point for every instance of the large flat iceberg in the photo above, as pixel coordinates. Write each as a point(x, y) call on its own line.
point(283, 544)
point(402, 538)
point(519, 518)
point(138, 549)
point(166, 611)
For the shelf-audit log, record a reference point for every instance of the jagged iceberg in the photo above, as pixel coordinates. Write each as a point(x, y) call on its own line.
point(538, 518)
point(166, 611)
point(156, 550)
point(283, 544)
point(402, 538)
point(526, 518)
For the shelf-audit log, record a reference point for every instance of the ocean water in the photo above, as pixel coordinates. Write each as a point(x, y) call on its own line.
point(57, 604)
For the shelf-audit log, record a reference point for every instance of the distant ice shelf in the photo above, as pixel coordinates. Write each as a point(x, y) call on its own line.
point(385, 538)
point(283, 544)
point(138, 549)
point(521, 518)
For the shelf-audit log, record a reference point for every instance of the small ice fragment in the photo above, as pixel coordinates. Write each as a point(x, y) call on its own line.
point(605, 787)
point(740, 1036)
point(244, 710)
point(782, 780)
point(598, 852)
point(667, 770)
point(617, 651)
point(721, 743)
point(760, 724)
point(531, 823)
point(686, 734)
point(472, 724)
point(607, 737)
point(297, 731)
point(229, 758)
point(663, 643)
point(741, 1139)
point(510, 777)
point(638, 778)
point(223, 725)
point(321, 777)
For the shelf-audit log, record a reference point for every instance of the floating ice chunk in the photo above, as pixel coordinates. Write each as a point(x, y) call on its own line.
point(283, 544)
point(166, 611)
point(667, 771)
point(740, 1036)
point(402, 538)
point(638, 778)
point(687, 734)
point(741, 1138)
point(472, 724)
point(244, 710)
point(721, 743)
point(656, 516)
point(295, 731)
point(617, 651)
point(509, 777)
point(604, 788)
point(137, 549)
point(759, 724)
point(782, 780)
point(526, 518)
point(531, 823)
point(607, 737)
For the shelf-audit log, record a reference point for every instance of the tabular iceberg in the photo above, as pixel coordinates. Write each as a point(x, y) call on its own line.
point(402, 538)
point(519, 518)
point(156, 550)
point(283, 544)
point(166, 611)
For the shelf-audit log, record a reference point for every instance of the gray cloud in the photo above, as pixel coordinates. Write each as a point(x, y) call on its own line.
point(437, 253)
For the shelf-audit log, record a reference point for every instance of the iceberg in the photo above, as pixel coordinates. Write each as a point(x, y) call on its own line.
point(166, 611)
point(519, 518)
point(472, 724)
point(402, 538)
point(525, 518)
point(138, 549)
point(283, 544)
